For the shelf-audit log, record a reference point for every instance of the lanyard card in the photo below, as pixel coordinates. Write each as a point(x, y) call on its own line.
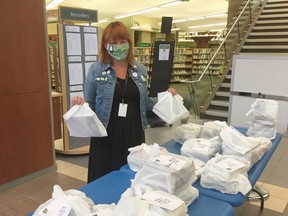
point(122, 112)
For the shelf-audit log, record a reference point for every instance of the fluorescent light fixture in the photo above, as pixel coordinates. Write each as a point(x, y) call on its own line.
point(169, 4)
point(101, 21)
point(136, 13)
point(53, 4)
point(199, 17)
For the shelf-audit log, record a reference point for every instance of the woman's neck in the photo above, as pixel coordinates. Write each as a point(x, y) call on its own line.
point(121, 68)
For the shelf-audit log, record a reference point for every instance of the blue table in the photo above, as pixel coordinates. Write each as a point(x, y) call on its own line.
point(108, 189)
point(253, 174)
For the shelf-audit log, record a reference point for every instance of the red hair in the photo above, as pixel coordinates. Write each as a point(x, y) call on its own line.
point(115, 31)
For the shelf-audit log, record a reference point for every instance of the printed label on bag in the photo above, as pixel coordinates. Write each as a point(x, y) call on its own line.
point(201, 146)
point(57, 207)
point(170, 161)
point(230, 164)
point(162, 200)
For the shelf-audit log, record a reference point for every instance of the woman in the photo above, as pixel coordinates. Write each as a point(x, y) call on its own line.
point(116, 89)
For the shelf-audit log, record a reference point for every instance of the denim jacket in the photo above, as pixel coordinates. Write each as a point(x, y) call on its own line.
point(99, 90)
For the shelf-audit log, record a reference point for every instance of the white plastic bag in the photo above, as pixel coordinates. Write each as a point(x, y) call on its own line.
point(103, 209)
point(140, 154)
point(82, 121)
point(236, 141)
point(72, 202)
point(170, 173)
point(262, 144)
point(200, 148)
point(187, 131)
point(212, 129)
point(264, 114)
point(262, 128)
point(151, 203)
point(170, 108)
point(227, 173)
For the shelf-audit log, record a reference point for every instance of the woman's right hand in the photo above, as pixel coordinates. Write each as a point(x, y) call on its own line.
point(77, 100)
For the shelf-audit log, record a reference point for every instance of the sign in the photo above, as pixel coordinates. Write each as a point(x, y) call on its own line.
point(164, 50)
point(140, 44)
point(79, 14)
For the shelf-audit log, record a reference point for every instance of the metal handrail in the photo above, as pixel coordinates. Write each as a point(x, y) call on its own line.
point(218, 49)
point(223, 44)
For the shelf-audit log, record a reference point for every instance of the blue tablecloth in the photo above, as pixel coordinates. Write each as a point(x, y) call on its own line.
point(108, 189)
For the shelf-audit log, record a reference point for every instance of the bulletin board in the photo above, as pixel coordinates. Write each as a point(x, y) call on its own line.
point(260, 74)
point(78, 46)
point(81, 50)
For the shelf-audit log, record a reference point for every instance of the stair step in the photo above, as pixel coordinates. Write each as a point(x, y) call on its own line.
point(276, 10)
point(271, 21)
point(225, 85)
point(279, 47)
point(273, 16)
point(228, 76)
point(220, 103)
point(267, 40)
point(268, 33)
point(284, 4)
point(219, 113)
point(270, 27)
point(222, 94)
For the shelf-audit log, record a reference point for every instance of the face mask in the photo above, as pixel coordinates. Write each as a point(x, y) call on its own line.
point(118, 51)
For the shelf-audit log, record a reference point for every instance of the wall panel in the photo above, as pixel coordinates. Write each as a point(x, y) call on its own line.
point(26, 143)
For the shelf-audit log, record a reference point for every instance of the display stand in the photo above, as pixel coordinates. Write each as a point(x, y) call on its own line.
point(78, 49)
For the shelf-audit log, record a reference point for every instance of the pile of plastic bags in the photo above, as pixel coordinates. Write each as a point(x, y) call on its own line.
point(264, 118)
point(170, 173)
point(206, 145)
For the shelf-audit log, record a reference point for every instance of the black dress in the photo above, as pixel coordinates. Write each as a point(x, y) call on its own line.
point(110, 153)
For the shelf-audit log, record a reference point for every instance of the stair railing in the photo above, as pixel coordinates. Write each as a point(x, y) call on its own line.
point(232, 35)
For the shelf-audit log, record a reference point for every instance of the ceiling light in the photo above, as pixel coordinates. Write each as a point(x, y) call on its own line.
point(199, 17)
point(101, 21)
point(53, 4)
point(169, 4)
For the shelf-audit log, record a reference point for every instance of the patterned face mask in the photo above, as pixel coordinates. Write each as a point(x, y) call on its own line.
point(118, 51)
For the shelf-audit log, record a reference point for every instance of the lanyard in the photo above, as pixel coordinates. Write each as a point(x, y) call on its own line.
point(123, 93)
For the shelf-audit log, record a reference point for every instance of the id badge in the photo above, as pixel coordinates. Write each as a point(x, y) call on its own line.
point(122, 109)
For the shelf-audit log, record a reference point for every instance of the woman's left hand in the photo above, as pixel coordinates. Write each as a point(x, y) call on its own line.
point(172, 91)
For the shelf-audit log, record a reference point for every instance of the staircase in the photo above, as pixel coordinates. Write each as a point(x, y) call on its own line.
point(268, 35)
